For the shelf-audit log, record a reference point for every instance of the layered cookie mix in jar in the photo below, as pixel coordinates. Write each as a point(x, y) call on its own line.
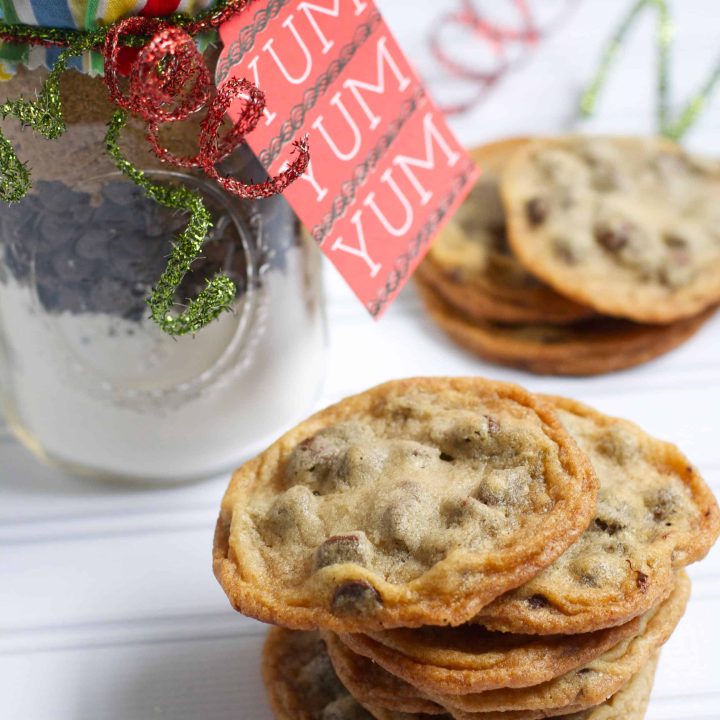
point(89, 380)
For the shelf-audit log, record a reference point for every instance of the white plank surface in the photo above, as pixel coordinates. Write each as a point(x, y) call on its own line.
point(108, 607)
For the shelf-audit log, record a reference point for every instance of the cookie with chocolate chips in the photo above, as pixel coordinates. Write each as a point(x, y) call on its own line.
point(471, 658)
point(371, 684)
point(582, 688)
point(588, 686)
point(302, 685)
point(470, 263)
point(629, 703)
point(591, 347)
point(654, 516)
point(627, 226)
point(417, 502)
point(300, 680)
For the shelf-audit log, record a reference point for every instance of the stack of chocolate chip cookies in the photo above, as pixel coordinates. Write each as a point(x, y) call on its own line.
point(579, 255)
point(463, 548)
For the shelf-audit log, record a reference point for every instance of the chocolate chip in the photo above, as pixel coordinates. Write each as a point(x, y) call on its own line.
point(662, 505)
point(121, 193)
point(71, 268)
point(218, 253)
point(613, 239)
point(110, 213)
point(128, 266)
point(356, 597)
point(90, 245)
point(498, 236)
point(536, 211)
point(563, 251)
point(455, 512)
point(48, 296)
point(675, 241)
point(57, 197)
point(608, 526)
point(588, 580)
point(446, 458)
point(56, 232)
point(537, 601)
point(81, 214)
point(641, 581)
point(111, 296)
point(658, 513)
point(351, 548)
point(68, 296)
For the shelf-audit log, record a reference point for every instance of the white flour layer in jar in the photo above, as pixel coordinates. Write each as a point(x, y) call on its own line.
point(120, 399)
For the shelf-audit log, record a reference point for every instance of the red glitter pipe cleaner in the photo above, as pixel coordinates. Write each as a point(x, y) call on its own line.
point(169, 81)
point(499, 37)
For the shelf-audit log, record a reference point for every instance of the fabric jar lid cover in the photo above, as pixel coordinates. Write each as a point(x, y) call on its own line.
point(78, 15)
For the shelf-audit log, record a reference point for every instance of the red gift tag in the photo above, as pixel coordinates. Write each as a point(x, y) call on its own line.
point(386, 171)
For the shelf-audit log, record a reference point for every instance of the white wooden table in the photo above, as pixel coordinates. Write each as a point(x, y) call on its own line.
point(108, 607)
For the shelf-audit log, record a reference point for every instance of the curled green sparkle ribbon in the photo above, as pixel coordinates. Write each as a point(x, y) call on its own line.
point(689, 115)
point(219, 292)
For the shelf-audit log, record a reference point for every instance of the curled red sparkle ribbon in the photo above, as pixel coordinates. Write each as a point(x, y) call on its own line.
point(500, 37)
point(169, 81)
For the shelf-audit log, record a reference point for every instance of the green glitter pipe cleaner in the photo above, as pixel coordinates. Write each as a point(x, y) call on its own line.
point(689, 115)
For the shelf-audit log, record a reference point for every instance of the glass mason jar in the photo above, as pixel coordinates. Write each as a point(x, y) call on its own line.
point(87, 380)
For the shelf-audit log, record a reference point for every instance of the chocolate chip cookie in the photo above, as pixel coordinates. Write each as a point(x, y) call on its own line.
point(370, 684)
point(302, 685)
point(417, 502)
point(654, 515)
point(470, 658)
point(629, 703)
point(470, 263)
point(592, 347)
point(301, 682)
point(627, 226)
point(588, 686)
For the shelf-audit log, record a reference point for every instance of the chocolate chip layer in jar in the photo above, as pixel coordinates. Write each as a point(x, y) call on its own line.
point(88, 380)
